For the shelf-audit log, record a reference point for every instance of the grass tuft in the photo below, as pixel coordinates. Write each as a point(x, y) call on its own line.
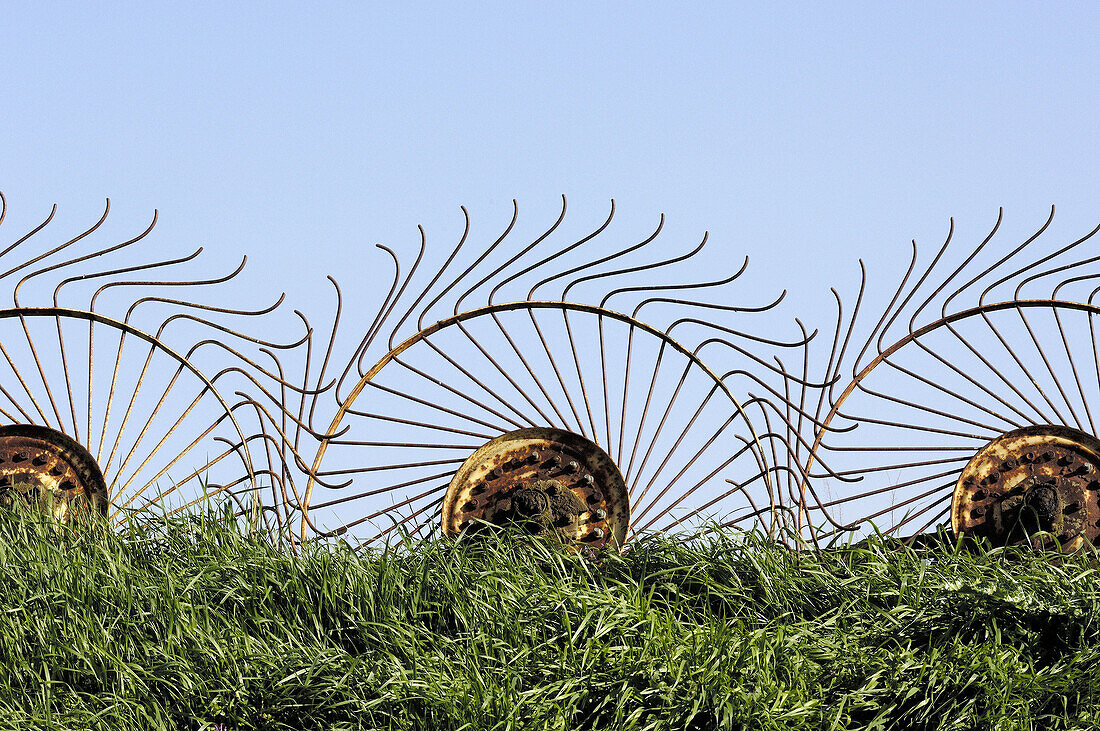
point(191, 623)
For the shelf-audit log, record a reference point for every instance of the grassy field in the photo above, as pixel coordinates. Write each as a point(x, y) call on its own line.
point(190, 624)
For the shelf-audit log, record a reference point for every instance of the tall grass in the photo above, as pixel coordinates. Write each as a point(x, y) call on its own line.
point(191, 623)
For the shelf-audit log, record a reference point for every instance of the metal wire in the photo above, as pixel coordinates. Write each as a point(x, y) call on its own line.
point(945, 368)
point(460, 363)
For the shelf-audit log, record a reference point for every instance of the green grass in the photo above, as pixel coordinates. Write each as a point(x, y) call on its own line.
point(190, 624)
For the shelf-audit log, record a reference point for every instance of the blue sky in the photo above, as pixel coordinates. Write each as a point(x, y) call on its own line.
point(803, 135)
point(794, 133)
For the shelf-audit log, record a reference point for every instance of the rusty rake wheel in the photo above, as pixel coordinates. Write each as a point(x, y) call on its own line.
point(121, 388)
point(589, 405)
point(971, 402)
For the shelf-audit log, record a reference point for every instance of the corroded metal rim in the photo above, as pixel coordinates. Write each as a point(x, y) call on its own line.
point(548, 479)
point(1038, 478)
point(45, 467)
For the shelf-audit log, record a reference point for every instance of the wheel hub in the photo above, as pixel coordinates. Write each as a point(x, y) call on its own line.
point(1039, 479)
point(547, 481)
point(47, 469)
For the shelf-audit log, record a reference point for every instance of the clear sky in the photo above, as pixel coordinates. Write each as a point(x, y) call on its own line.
point(804, 135)
point(796, 133)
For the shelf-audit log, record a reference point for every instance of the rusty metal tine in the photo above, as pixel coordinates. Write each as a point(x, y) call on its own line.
point(421, 424)
point(554, 365)
point(457, 392)
point(380, 490)
point(497, 366)
point(580, 376)
point(531, 372)
point(489, 250)
point(522, 252)
point(23, 383)
point(28, 235)
point(546, 260)
point(504, 402)
point(432, 405)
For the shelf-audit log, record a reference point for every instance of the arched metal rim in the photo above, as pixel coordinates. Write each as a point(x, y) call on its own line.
point(883, 355)
point(57, 312)
point(756, 446)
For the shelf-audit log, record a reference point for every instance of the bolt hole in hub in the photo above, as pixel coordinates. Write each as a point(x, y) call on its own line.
point(47, 469)
point(546, 481)
point(1035, 480)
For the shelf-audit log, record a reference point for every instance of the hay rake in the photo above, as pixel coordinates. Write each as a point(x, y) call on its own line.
point(587, 387)
point(591, 395)
point(124, 388)
point(969, 402)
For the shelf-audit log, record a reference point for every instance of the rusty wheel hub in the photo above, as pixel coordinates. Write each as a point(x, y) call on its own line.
point(546, 480)
point(1039, 479)
point(45, 468)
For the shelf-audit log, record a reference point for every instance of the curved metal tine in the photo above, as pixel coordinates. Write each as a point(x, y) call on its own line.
point(856, 367)
point(302, 416)
point(26, 389)
point(516, 257)
point(592, 277)
point(379, 536)
point(360, 351)
point(364, 349)
point(921, 280)
point(457, 392)
point(55, 267)
point(969, 379)
point(434, 406)
point(630, 336)
point(686, 493)
point(1037, 262)
point(91, 323)
point(28, 235)
point(122, 335)
point(285, 441)
point(871, 518)
point(477, 262)
point(424, 291)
